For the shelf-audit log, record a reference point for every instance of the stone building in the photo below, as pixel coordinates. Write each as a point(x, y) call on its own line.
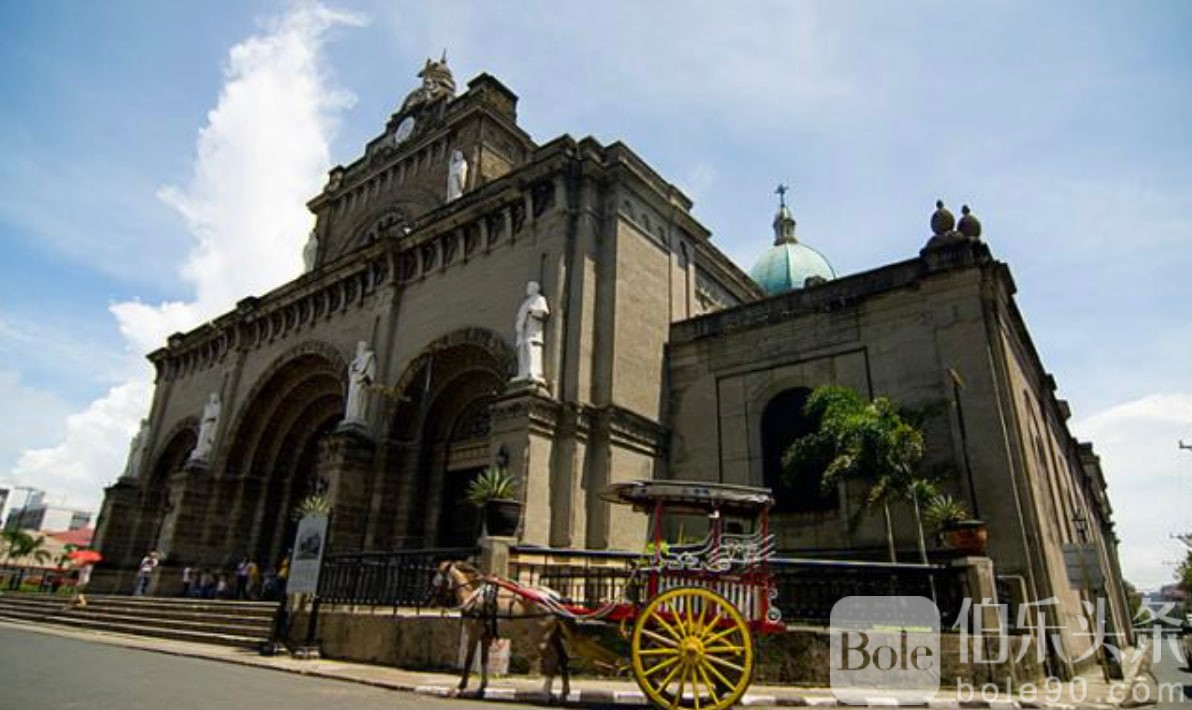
point(388, 373)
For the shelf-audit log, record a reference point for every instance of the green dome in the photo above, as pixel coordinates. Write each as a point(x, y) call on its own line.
point(788, 264)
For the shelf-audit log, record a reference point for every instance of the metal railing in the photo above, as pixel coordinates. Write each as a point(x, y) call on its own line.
point(809, 588)
point(399, 578)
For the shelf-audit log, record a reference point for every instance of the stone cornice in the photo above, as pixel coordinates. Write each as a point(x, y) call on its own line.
point(835, 294)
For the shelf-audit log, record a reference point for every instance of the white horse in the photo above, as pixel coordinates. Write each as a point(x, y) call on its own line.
point(482, 600)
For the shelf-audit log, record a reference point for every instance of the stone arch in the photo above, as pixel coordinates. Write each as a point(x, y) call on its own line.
point(389, 222)
point(272, 455)
point(501, 353)
point(171, 457)
point(438, 437)
point(156, 504)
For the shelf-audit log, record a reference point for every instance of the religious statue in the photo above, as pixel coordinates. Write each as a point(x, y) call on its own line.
point(457, 175)
point(361, 373)
point(310, 252)
point(531, 317)
point(136, 451)
point(437, 83)
point(207, 427)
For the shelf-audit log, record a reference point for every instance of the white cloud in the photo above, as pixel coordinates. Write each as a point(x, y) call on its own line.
point(1149, 478)
point(262, 153)
point(93, 451)
point(36, 422)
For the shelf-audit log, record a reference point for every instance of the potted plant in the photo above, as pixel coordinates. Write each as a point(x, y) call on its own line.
point(956, 525)
point(493, 493)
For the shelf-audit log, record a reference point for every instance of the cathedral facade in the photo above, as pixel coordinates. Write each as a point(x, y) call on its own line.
point(474, 298)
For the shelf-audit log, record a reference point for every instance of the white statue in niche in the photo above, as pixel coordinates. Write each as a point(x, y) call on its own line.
point(457, 175)
point(207, 427)
point(529, 326)
point(310, 252)
point(361, 373)
point(136, 451)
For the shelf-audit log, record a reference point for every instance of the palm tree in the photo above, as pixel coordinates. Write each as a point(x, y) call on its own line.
point(862, 439)
point(30, 546)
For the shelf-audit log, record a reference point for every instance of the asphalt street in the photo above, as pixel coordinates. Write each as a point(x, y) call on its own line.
point(44, 672)
point(1174, 680)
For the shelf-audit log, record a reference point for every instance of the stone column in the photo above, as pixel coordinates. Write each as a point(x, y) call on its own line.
point(982, 589)
point(181, 535)
point(524, 423)
point(115, 531)
point(345, 463)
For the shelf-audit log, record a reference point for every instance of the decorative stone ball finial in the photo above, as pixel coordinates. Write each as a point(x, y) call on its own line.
point(969, 225)
point(942, 221)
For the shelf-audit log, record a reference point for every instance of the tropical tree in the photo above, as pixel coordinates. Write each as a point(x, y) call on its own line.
point(864, 440)
point(21, 544)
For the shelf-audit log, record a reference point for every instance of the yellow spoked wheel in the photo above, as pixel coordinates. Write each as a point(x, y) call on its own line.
point(692, 649)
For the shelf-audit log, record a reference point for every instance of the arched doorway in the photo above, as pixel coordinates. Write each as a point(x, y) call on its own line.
point(158, 509)
point(440, 440)
point(271, 464)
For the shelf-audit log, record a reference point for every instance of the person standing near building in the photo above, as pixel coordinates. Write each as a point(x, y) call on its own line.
point(242, 579)
point(84, 578)
point(145, 572)
point(187, 580)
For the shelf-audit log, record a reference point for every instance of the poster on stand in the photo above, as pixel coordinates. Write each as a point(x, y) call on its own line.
point(309, 542)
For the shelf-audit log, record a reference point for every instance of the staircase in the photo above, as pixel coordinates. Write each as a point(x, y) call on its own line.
point(227, 623)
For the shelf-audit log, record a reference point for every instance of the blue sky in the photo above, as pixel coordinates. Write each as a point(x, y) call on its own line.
point(159, 153)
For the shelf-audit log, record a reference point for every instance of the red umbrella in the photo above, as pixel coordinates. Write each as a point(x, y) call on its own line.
point(84, 557)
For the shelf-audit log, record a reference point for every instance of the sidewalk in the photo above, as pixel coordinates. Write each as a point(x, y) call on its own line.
point(588, 691)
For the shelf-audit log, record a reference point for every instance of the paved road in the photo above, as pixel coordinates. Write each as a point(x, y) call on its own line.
point(1175, 680)
point(43, 672)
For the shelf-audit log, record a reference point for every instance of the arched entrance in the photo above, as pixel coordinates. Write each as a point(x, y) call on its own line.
point(158, 505)
point(440, 440)
point(271, 463)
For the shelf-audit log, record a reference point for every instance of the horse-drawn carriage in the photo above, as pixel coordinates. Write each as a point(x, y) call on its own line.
point(696, 604)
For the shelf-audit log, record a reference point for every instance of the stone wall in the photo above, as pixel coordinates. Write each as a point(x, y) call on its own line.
point(796, 657)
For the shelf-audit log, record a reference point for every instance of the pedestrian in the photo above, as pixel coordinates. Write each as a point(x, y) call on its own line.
point(242, 579)
point(187, 580)
point(144, 572)
point(254, 580)
point(221, 587)
point(81, 582)
point(283, 574)
point(206, 584)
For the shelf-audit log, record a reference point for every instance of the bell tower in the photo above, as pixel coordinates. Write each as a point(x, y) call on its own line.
point(435, 150)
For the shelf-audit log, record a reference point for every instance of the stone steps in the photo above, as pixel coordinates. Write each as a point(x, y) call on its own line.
point(244, 624)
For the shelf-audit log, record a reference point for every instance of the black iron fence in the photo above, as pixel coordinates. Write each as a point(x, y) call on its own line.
point(808, 589)
point(400, 578)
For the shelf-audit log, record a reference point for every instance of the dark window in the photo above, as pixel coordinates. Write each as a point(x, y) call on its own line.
point(783, 423)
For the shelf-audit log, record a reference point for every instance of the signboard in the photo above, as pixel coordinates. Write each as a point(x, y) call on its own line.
point(1084, 566)
point(307, 557)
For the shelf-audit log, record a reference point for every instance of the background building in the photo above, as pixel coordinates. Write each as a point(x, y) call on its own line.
point(40, 516)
